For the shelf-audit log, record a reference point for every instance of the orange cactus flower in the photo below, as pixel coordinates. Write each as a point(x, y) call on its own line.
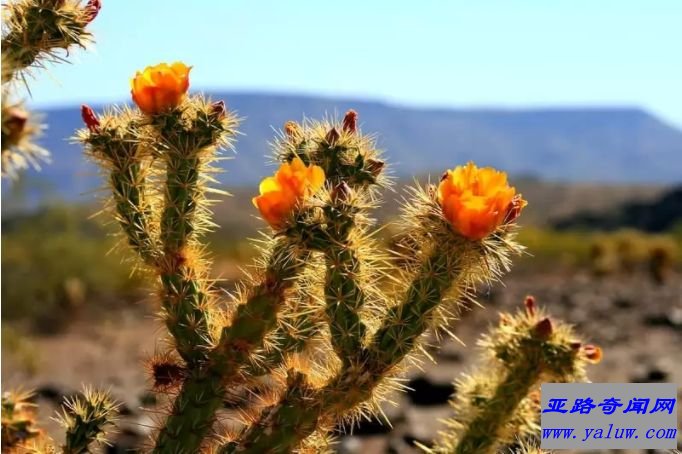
point(280, 193)
point(478, 200)
point(160, 88)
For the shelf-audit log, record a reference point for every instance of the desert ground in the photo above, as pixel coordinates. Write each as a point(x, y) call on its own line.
point(637, 322)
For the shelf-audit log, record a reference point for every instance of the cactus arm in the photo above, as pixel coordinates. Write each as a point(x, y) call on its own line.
point(202, 394)
point(115, 146)
point(499, 403)
point(85, 418)
point(37, 29)
point(186, 139)
point(406, 322)
point(483, 433)
point(356, 382)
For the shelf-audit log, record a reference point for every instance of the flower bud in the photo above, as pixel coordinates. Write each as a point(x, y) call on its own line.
point(13, 124)
point(89, 118)
point(218, 109)
point(593, 353)
point(92, 9)
point(342, 192)
point(544, 329)
point(332, 136)
point(350, 121)
point(529, 302)
point(375, 166)
point(292, 129)
point(514, 210)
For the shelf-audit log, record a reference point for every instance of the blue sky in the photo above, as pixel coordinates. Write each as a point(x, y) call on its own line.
point(500, 53)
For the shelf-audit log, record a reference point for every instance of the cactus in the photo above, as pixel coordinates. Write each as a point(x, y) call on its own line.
point(85, 418)
point(18, 420)
point(499, 403)
point(325, 314)
point(35, 34)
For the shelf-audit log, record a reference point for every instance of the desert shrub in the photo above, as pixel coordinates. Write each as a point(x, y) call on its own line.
point(56, 260)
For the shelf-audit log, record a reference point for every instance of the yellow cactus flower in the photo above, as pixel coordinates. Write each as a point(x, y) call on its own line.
point(280, 193)
point(160, 88)
point(478, 200)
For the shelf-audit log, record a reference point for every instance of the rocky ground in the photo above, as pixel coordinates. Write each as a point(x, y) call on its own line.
point(638, 324)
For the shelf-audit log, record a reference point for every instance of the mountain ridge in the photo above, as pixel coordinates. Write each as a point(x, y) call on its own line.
point(591, 144)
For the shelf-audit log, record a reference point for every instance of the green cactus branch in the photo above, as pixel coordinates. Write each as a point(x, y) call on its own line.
point(499, 403)
point(203, 393)
point(114, 143)
point(36, 30)
point(85, 418)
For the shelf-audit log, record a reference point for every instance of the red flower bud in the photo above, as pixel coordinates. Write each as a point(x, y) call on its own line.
point(350, 121)
point(91, 10)
point(514, 210)
point(342, 192)
point(89, 118)
point(13, 123)
point(575, 345)
point(544, 329)
point(375, 167)
point(593, 353)
point(529, 302)
point(218, 109)
point(332, 136)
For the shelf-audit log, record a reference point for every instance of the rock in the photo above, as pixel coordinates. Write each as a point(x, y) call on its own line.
point(127, 440)
point(424, 391)
point(51, 393)
point(652, 374)
point(148, 399)
point(670, 319)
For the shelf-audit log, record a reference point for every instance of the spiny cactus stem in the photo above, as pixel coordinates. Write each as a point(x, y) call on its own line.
point(202, 394)
point(356, 381)
point(185, 298)
point(258, 316)
point(133, 210)
point(36, 29)
point(481, 434)
point(343, 294)
point(406, 322)
point(193, 413)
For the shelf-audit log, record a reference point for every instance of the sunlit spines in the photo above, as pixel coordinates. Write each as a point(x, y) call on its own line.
point(499, 403)
point(113, 141)
point(19, 421)
point(20, 130)
point(86, 417)
point(339, 147)
point(37, 32)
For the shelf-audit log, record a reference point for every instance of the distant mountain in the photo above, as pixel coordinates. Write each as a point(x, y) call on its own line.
point(624, 145)
point(658, 215)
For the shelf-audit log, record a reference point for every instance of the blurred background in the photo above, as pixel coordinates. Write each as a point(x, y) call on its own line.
point(578, 101)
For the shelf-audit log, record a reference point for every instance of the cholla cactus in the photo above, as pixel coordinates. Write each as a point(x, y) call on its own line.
point(34, 34)
point(499, 403)
point(18, 421)
point(320, 315)
point(85, 418)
